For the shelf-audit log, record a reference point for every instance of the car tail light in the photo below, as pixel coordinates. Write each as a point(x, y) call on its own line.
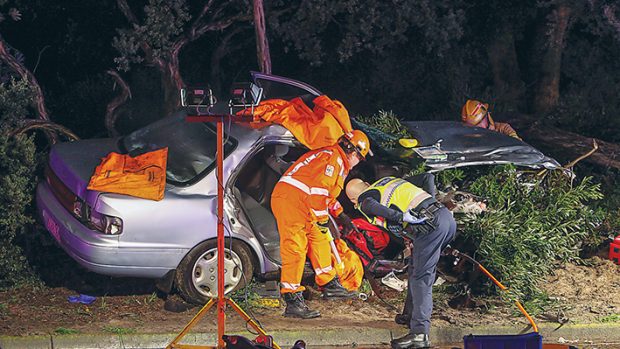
point(106, 224)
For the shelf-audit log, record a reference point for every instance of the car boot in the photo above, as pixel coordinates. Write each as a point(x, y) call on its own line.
point(412, 340)
point(334, 289)
point(296, 307)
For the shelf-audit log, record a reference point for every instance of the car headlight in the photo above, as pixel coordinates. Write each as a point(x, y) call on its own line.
point(106, 224)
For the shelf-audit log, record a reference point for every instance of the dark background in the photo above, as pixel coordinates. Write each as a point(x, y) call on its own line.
point(421, 59)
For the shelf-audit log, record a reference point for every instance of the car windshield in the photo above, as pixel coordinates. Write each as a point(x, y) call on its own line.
point(191, 146)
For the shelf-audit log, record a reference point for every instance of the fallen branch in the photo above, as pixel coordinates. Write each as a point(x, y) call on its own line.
point(566, 143)
point(45, 125)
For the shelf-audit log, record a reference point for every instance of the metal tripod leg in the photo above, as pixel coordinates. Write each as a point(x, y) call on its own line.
point(191, 324)
point(175, 342)
point(248, 319)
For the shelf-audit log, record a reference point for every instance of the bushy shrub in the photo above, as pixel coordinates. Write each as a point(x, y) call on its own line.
point(533, 222)
point(17, 167)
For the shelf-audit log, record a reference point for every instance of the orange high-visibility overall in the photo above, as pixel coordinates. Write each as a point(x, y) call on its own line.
point(304, 195)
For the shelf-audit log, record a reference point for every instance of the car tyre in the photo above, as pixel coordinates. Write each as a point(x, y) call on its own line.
point(196, 275)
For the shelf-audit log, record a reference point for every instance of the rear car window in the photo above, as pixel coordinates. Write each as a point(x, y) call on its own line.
point(191, 146)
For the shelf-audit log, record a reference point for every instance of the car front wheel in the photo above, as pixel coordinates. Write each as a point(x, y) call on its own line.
point(196, 276)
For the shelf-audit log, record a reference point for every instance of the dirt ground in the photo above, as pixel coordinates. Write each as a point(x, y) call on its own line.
point(585, 294)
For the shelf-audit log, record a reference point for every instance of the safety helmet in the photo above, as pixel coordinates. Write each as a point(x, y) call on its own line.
point(354, 188)
point(474, 112)
point(360, 142)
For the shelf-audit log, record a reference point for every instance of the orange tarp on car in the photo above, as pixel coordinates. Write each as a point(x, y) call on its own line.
point(350, 271)
point(315, 128)
point(143, 176)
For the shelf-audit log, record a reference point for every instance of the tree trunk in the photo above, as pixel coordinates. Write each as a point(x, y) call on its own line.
point(262, 45)
point(509, 87)
point(547, 91)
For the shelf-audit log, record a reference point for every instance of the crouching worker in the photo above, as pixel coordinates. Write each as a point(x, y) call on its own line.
point(300, 203)
point(405, 209)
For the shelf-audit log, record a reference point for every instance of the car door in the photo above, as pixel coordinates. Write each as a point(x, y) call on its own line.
point(283, 88)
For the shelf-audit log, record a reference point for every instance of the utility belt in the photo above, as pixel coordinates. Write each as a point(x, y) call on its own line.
point(423, 211)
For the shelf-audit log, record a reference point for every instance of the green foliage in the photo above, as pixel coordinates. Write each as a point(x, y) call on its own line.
point(611, 318)
point(450, 177)
point(388, 122)
point(164, 21)
point(17, 166)
point(317, 29)
point(532, 224)
point(65, 331)
point(119, 330)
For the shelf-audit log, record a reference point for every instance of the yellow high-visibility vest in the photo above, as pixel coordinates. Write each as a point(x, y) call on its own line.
point(395, 193)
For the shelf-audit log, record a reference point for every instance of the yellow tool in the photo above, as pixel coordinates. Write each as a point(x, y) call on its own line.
point(408, 142)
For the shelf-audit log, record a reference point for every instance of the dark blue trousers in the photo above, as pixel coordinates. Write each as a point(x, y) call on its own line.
point(422, 269)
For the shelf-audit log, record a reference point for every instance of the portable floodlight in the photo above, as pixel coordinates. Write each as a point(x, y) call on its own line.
point(197, 99)
point(245, 95)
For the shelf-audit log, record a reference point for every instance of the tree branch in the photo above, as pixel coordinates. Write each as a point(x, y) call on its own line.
point(124, 7)
point(5, 56)
point(610, 15)
point(221, 25)
point(110, 114)
point(46, 125)
point(566, 143)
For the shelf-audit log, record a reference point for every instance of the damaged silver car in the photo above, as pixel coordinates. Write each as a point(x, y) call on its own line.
point(174, 240)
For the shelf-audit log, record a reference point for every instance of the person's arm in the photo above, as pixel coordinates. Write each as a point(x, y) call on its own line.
point(506, 129)
point(371, 207)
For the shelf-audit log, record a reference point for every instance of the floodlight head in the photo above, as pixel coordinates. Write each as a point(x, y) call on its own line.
point(245, 94)
point(197, 96)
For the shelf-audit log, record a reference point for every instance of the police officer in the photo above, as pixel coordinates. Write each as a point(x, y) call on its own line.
point(406, 209)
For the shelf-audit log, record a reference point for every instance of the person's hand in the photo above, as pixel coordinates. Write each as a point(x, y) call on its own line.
point(347, 225)
point(409, 218)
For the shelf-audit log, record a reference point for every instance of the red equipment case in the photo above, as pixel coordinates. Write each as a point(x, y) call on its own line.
point(614, 250)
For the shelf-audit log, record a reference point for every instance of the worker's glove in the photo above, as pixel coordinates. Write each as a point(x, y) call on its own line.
point(411, 219)
point(323, 226)
point(346, 223)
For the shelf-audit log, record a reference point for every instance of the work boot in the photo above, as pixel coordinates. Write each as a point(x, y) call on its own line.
point(334, 289)
point(411, 340)
point(296, 307)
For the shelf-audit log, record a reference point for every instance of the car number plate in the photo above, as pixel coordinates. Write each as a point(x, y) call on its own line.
point(52, 226)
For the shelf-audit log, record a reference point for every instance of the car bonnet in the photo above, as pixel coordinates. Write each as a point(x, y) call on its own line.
point(465, 146)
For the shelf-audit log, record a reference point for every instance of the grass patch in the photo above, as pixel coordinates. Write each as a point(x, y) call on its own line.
point(65, 331)
point(119, 330)
point(611, 318)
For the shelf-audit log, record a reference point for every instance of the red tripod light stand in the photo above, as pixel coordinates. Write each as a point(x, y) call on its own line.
point(221, 301)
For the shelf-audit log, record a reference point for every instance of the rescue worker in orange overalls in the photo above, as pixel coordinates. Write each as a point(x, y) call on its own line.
point(475, 113)
point(301, 202)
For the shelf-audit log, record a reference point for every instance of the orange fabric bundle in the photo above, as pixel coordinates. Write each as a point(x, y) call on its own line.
point(350, 271)
point(143, 176)
point(315, 128)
